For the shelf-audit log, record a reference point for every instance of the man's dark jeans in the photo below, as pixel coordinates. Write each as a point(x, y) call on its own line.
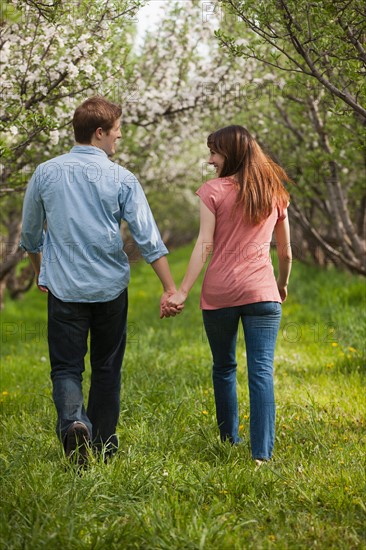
point(69, 324)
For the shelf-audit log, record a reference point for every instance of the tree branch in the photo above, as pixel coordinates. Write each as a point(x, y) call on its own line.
point(297, 133)
point(353, 264)
point(346, 231)
point(356, 43)
point(344, 96)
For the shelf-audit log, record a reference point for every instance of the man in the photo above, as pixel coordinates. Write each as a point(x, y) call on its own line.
point(72, 212)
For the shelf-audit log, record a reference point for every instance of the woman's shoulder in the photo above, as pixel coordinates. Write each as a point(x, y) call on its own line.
point(217, 184)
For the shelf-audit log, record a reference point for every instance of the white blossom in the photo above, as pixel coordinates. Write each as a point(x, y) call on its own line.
point(88, 69)
point(54, 137)
point(72, 70)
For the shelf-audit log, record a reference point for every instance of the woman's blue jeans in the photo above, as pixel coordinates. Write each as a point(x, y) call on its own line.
point(260, 323)
point(69, 324)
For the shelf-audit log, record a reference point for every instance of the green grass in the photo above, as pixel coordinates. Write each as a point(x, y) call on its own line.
point(173, 485)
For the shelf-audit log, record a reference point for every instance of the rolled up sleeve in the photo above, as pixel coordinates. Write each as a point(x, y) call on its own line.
point(32, 234)
point(135, 210)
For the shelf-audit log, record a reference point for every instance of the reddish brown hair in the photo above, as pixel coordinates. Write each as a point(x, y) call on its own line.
point(260, 179)
point(95, 112)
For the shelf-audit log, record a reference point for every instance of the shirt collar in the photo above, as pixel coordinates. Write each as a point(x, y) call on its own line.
point(88, 149)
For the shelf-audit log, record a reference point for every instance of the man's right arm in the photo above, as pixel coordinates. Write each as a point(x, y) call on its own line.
point(31, 239)
point(36, 260)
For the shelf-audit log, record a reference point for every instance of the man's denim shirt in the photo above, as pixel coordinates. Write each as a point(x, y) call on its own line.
point(72, 213)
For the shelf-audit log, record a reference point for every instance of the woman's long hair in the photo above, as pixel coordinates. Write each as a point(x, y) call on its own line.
point(260, 179)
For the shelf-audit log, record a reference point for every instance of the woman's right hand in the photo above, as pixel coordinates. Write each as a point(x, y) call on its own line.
point(177, 299)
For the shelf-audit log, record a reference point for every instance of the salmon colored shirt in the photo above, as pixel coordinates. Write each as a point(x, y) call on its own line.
point(240, 270)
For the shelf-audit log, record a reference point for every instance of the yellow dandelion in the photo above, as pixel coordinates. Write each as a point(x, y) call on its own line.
point(271, 537)
point(5, 393)
point(246, 416)
point(204, 412)
point(353, 350)
point(241, 427)
point(334, 344)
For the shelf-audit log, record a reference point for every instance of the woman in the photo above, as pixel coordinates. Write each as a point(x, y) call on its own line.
point(240, 210)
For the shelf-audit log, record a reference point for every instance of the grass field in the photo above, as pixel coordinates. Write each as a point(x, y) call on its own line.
point(173, 485)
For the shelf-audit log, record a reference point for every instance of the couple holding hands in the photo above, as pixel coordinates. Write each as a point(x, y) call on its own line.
point(72, 211)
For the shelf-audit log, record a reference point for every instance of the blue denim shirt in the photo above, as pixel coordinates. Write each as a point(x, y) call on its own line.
point(72, 213)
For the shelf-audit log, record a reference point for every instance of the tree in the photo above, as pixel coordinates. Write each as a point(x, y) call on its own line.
point(316, 54)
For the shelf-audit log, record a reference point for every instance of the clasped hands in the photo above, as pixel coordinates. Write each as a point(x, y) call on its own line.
point(172, 303)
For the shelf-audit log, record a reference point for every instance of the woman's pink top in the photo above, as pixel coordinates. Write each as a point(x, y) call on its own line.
point(240, 270)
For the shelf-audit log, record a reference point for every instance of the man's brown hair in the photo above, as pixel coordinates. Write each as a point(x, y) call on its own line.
point(95, 112)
